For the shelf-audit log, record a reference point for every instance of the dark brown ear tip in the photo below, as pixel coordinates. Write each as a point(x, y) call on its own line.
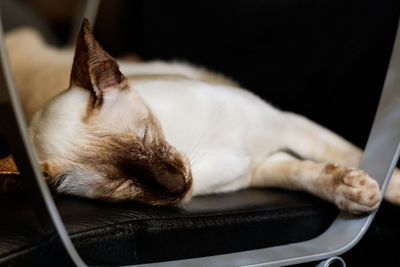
point(85, 29)
point(86, 24)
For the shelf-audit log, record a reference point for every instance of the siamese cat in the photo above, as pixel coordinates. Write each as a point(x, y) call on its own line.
point(160, 133)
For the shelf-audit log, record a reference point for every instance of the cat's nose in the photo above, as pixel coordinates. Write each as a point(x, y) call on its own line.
point(175, 183)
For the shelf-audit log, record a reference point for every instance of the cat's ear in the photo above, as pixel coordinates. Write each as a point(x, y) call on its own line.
point(93, 68)
point(10, 179)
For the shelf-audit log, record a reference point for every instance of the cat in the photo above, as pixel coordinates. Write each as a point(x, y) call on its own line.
point(160, 133)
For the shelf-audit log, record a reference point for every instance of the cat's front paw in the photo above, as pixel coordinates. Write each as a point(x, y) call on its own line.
point(355, 191)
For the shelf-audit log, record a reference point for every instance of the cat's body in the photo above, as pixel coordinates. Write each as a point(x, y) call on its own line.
point(207, 121)
point(195, 133)
point(195, 118)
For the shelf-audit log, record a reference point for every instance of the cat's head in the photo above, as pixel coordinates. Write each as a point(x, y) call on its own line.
point(98, 138)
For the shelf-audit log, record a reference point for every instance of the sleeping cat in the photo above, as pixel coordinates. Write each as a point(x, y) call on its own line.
point(160, 133)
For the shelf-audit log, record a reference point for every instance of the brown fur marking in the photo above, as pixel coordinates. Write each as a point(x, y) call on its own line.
point(331, 168)
point(337, 172)
point(155, 174)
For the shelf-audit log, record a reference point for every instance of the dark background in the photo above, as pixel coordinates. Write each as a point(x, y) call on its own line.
point(324, 59)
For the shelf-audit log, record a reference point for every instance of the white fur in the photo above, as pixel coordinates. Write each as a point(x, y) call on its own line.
point(59, 132)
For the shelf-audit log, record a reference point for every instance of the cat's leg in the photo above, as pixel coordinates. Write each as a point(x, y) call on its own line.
point(312, 141)
point(350, 189)
point(220, 171)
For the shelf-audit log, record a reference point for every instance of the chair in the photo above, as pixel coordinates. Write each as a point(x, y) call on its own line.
point(380, 157)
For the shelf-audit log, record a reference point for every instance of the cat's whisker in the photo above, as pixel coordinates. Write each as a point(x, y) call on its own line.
point(197, 156)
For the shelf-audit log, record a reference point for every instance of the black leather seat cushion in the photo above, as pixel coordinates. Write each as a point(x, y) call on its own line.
point(128, 233)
